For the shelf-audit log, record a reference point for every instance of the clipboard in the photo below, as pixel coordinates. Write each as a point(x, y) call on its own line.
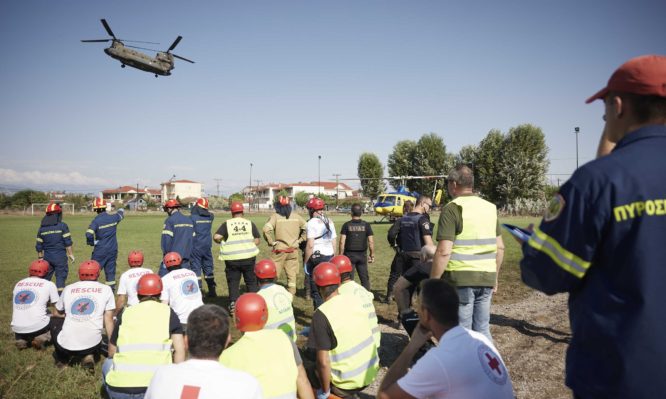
point(518, 232)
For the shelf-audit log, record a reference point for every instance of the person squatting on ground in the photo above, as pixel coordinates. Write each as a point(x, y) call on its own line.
point(54, 244)
point(127, 283)
point(284, 232)
point(356, 237)
point(202, 376)
point(341, 336)
point(177, 236)
point(464, 364)
point(350, 287)
point(602, 241)
point(321, 245)
point(470, 249)
point(403, 288)
point(180, 289)
point(31, 323)
point(267, 354)
point(202, 255)
point(87, 307)
point(142, 340)
point(239, 240)
point(101, 235)
point(278, 299)
point(396, 264)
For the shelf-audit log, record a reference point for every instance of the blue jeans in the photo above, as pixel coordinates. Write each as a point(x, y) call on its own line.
point(317, 300)
point(474, 309)
point(106, 367)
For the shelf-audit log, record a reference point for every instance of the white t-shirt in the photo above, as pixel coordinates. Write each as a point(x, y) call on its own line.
point(202, 379)
point(464, 365)
point(180, 289)
point(128, 281)
point(317, 228)
point(84, 304)
point(31, 297)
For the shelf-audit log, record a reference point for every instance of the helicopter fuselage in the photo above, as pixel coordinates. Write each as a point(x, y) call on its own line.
point(161, 64)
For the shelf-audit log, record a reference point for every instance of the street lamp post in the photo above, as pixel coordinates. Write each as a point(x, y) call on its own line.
point(319, 176)
point(576, 131)
point(249, 201)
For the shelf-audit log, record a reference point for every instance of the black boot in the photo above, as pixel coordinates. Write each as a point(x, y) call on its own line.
point(210, 281)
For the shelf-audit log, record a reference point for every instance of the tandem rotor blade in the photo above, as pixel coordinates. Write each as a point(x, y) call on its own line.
point(96, 40)
point(136, 41)
point(108, 28)
point(183, 58)
point(142, 48)
point(175, 43)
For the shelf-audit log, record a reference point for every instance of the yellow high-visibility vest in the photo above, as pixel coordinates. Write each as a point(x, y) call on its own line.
point(268, 355)
point(280, 309)
point(143, 345)
point(240, 241)
point(475, 248)
point(354, 362)
point(357, 290)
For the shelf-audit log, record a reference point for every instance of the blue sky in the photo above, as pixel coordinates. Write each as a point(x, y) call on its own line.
point(277, 83)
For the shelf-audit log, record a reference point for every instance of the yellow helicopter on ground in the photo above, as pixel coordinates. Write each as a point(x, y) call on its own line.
point(389, 205)
point(161, 64)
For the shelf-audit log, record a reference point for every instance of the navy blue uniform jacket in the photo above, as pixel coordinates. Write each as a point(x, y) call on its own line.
point(177, 235)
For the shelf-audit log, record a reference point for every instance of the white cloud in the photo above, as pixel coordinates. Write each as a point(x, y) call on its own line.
point(10, 176)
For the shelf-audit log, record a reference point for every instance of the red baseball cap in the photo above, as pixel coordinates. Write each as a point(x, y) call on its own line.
point(644, 75)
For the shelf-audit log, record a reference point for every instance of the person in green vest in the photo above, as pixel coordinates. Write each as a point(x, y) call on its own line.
point(470, 249)
point(278, 299)
point(267, 354)
point(340, 334)
point(350, 287)
point(142, 340)
point(238, 239)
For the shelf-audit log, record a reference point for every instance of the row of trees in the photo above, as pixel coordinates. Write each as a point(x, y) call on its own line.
point(24, 198)
point(509, 168)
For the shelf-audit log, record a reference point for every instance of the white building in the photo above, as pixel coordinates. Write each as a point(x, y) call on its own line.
point(185, 190)
point(263, 196)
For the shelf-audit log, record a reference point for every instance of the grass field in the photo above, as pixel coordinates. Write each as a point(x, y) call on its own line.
point(31, 374)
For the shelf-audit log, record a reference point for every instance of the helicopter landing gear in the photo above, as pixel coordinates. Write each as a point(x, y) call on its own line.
point(122, 65)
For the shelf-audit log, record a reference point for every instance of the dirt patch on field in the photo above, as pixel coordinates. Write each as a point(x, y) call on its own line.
point(532, 336)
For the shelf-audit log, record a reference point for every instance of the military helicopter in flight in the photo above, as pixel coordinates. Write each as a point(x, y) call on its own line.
point(161, 64)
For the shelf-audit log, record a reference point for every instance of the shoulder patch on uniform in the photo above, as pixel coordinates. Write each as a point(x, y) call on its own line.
point(554, 209)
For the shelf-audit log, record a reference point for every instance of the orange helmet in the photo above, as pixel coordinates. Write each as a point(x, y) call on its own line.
point(316, 204)
point(149, 284)
point(99, 203)
point(203, 203)
point(283, 200)
point(236, 207)
point(343, 263)
point(135, 259)
point(172, 203)
point(53, 208)
point(89, 270)
point(326, 274)
point(251, 312)
point(265, 268)
point(38, 268)
point(172, 259)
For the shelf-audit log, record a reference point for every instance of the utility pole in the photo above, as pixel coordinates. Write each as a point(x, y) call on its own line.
point(249, 200)
point(337, 192)
point(218, 186)
point(319, 176)
point(576, 131)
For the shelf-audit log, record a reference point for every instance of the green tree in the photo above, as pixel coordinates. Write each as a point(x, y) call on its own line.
point(301, 198)
point(430, 159)
point(401, 160)
point(25, 198)
point(237, 197)
point(467, 156)
point(371, 173)
point(486, 168)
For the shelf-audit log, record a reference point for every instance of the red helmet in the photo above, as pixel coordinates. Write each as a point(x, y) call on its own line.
point(283, 200)
point(236, 207)
point(149, 284)
point(203, 203)
point(316, 204)
point(343, 263)
point(265, 268)
point(172, 203)
point(99, 203)
point(89, 270)
point(325, 274)
point(135, 259)
point(38, 268)
point(53, 208)
point(251, 312)
point(172, 259)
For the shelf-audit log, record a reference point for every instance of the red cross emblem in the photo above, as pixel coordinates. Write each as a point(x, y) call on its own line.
point(493, 363)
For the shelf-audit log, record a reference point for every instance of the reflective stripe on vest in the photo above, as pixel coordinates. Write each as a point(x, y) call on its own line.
point(475, 248)
point(240, 241)
point(354, 362)
point(280, 309)
point(268, 355)
point(357, 290)
point(144, 344)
